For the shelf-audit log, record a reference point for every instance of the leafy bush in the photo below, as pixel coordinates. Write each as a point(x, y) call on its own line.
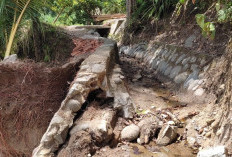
point(224, 11)
point(224, 14)
point(82, 11)
point(114, 6)
point(208, 28)
point(153, 8)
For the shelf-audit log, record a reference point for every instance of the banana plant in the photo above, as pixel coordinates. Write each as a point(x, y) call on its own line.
point(12, 13)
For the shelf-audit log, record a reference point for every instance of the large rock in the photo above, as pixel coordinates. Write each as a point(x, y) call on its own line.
point(130, 133)
point(167, 135)
point(11, 59)
point(99, 124)
point(218, 151)
point(89, 130)
point(189, 41)
point(191, 141)
point(148, 127)
point(117, 89)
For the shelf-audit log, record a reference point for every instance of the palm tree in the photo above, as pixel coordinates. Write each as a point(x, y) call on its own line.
point(12, 13)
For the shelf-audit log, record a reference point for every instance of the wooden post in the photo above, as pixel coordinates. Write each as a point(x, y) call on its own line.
point(130, 7)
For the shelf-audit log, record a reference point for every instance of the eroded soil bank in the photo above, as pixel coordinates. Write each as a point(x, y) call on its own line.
point(32, 93)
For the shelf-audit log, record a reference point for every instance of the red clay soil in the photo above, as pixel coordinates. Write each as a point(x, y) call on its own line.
point(30, 94)
point(85, 45)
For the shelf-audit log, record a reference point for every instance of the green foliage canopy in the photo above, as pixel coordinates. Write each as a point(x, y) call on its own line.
point(12, 15)
point(153, 8)
point(82, 11)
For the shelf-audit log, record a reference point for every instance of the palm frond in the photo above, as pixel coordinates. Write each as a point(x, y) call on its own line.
point(12, 13)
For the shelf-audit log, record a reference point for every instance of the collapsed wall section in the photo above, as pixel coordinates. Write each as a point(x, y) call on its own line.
point(99, 70)
point(182, 66)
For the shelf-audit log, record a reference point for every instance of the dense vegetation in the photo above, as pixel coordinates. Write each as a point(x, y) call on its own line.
point(210, 12)
point(20, 18)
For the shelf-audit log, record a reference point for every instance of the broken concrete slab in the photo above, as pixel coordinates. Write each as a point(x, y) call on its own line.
point(10, 59)
point(148, 127)
point(98, 125)
point(217, 151)
point(167, 135)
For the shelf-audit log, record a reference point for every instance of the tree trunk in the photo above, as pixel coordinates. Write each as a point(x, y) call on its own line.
point(37, 40)
point(57, 17)
point(15, 26)
point(130, 7)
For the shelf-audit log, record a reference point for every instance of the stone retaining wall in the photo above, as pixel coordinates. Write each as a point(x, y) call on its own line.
point(182, 66)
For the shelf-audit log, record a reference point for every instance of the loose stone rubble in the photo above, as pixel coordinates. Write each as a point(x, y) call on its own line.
point(218, 151)
point(150, 125)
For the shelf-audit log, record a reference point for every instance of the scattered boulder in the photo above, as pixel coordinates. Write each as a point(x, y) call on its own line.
point(130, 133)
point(199, 92)
point(148, 127)
point(167, 135)
point(191, 141)
point(11, 59)
point(218, 151)
point(137, 77)
point(189, 41)
point(209, 121)
point(208, 134)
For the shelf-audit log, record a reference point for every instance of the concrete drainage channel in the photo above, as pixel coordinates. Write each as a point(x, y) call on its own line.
point(98, 103)
point(89, 116)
